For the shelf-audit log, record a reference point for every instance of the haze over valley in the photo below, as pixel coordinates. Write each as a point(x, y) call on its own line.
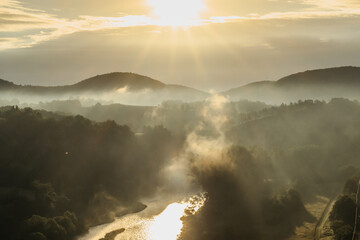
point(179, 120)
point(134, 89)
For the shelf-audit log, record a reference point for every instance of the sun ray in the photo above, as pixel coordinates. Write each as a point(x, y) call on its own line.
point(177, 12)
point(145, 52)
point(195, 54)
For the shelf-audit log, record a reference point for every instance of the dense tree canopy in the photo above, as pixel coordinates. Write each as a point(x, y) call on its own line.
point(59, 176)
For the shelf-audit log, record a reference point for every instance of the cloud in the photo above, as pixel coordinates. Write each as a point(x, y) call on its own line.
point(19, 20)
point(22, 26)
point(8, 43)
point(16, 18)
point(106, 8)
point(231, 52)
point(334, 4)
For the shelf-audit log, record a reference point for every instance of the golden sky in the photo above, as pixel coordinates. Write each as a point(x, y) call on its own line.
point(201, 43)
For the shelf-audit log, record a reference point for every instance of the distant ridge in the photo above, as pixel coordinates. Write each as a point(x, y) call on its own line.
point(100, 83)
point(338, 76)
point(321, 84)
point(137, 89)
point(5, 84)
point(116, 80)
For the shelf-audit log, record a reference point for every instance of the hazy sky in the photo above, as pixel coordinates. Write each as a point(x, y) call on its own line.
point(207, 44)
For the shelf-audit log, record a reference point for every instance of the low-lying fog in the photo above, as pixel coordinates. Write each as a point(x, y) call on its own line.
point(93, 168)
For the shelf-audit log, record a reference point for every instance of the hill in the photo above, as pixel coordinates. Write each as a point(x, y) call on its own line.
point(329, 76)
point(135, 89)
point(128, 88)
point(100, 83)
point(6, 84)
point(321, 84)
point(117, 80)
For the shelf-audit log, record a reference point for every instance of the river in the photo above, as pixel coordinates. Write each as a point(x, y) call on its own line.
point(154, 223)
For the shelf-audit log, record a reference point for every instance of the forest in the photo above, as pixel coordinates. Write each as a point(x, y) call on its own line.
point(180, 120)
point(61, 174)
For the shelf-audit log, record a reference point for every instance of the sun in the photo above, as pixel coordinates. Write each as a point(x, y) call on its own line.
point(177, 12)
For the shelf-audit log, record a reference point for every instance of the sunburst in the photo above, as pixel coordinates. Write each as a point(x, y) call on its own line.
point(177, 12)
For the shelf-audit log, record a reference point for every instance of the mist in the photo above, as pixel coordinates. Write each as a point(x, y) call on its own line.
point(179, 120)
point(249, 163)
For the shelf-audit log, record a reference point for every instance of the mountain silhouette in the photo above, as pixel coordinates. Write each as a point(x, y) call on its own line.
point(6, 84)
point(117, 80)
point(329, 76)
point(100, 83)
point(116, 84)
point(321, 84)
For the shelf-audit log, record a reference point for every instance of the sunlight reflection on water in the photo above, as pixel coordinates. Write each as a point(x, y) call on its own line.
point(164, 226)
point(167, 225)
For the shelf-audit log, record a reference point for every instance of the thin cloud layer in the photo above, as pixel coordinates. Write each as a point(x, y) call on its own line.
point(23, 27)
point(17, 20)
point(223, 48)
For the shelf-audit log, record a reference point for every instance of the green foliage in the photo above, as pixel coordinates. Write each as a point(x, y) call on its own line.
point(286, 209)
point(314, 144)
point(342, 216)
point(57, 228)
point(237, 206)
point(351, 186)
point(59, 176)
point(342, 231)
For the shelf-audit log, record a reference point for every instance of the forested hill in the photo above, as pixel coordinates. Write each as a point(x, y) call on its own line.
point(118, 82)
point(129, 88)
point(58, 176)
point(322, 84)
point(331, 76)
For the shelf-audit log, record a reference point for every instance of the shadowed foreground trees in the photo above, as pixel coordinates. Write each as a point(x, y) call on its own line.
point(239, 205)
point(60, 176)
point(342, 217)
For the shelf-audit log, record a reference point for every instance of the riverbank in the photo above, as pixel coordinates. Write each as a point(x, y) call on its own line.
point(322, 206)
point(112, 235)
point(149, 223)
